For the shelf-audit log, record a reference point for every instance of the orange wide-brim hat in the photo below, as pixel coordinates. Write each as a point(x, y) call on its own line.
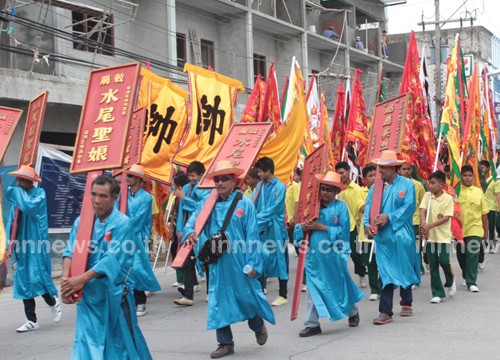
point(26, 172)
point(331, 178)
point(224, 167)
point(388, 158)
point(137, 170)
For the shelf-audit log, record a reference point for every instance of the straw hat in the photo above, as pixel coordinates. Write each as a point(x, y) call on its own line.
point(388, 158)
point(136, 170)
point(224, 167)
point(26, 172)
point(331, 178)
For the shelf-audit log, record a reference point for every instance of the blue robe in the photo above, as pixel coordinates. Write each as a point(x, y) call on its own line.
point(397, 254)
point(232, 295)
point(192, 203)
point(101, 329)
point(139, 210)
point(32, 249)
point(270, 207)
point(328, 280)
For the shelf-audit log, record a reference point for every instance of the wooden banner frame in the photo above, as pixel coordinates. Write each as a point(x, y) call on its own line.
point(7, 133)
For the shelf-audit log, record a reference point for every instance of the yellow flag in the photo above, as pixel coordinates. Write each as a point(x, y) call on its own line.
point(211, 114)
point(285, 146)
point(166, 124)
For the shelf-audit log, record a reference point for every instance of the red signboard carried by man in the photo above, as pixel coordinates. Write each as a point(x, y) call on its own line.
point(133, 151)
point(241, 147)
point(29, 146)
point(9, 119)
point(33, 129)
point(101, 139)
point(108, 106)
point(308, 208)
point(387, 133)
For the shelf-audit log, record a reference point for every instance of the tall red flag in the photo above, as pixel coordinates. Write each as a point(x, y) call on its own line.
point(271, 108)
point(256, 102)
point(357, 131)
point(419, 144)
point(338, 126)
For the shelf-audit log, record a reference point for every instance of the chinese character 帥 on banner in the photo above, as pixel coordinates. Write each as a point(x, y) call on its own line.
point(108, 106)
point(9, 118)
point(33, 129)
point(211, 114)
point(241, 147)
point(166, 124)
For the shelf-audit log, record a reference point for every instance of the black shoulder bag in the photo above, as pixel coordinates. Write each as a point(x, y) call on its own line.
point(217, 244)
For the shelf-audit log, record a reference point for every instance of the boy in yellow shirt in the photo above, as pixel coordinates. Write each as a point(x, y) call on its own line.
point(436, 229)
point(354, 201)
point(492, 195)
point(419, 194)
point(474, 225)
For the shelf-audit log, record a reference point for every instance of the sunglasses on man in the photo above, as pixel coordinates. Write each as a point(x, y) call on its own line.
point(226, 178)
point(327, 189)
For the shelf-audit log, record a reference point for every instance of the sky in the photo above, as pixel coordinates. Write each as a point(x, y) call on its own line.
point(404, 18)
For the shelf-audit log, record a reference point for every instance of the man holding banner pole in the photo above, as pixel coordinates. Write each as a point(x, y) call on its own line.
point(190, 196)
point(235, 295)
point(331, 291)
point(139, 210)
point(33, 272)
point(397, 258)
point(106, 323)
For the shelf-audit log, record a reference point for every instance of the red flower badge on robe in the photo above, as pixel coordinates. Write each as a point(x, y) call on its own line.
point(239, 212)
point(402, 194)
point(335, 219)
point(107, 237)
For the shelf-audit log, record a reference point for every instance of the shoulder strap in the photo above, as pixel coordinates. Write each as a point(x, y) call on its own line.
point(230, 212)
point(488, 184)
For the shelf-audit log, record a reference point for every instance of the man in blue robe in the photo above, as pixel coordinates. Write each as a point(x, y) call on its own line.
point(106, 322)
point(397, 256)
point(139, 210)
point(270, 206)
point(234, 292)
point(190, 197)
point(331, 291)
point(31, 249)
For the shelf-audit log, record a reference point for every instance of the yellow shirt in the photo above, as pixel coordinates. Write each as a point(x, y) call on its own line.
point(354, 200)
point(3, 239)
point(472, 205)
point(155, 209)
point(364, 194)
point(490, 194)
point(440, 207)
point(419, 194)
point(248, 192)
point(291, 197)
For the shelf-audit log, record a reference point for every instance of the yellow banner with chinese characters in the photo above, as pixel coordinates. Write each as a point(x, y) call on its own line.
point(284, 148)
point(211, 114)
point(165, 124)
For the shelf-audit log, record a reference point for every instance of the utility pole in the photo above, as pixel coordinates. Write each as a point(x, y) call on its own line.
point(437, 68)
point(439, 23)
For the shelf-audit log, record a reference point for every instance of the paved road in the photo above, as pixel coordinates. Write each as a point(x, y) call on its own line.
point(466, 326)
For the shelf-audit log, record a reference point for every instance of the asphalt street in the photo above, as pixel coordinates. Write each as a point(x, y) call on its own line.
point(466, 326)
